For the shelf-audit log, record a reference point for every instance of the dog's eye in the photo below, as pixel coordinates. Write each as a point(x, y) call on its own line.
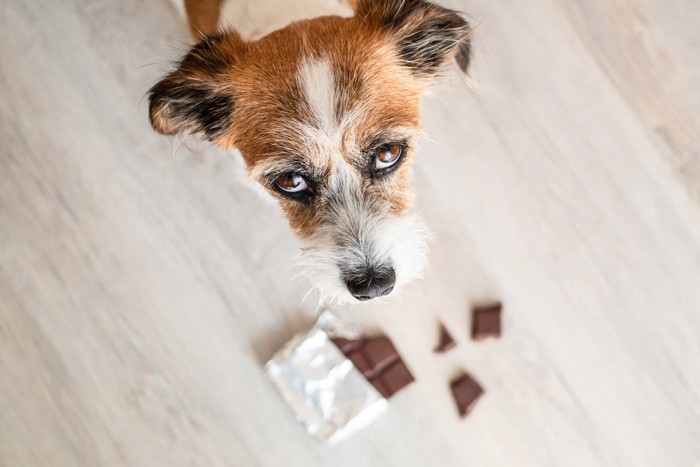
point(388, 156)
point(291, 183)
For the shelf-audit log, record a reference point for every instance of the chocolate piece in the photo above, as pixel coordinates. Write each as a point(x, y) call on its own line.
point(446, 341)
point(347, 345)
point(466, 392)
point(377, 359)
point(381, 389)
point(393, 379)
point(360, 361)
point(380, 353)
point(486, 322)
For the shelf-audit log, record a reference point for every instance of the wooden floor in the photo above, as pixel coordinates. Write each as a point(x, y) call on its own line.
point(142, 288)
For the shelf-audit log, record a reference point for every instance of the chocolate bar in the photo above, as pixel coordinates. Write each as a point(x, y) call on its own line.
point(328, 395)
point(486, 322)
point(466, 392)
point(377, 359)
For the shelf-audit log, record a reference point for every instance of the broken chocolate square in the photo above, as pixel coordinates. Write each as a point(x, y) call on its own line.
point(486, 322)
point(393, 379)
point(446, 341)
point(466, 392)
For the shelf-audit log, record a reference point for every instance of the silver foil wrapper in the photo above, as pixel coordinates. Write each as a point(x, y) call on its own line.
point(329, 396)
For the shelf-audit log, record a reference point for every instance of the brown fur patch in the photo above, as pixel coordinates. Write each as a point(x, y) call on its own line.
point(203, 17)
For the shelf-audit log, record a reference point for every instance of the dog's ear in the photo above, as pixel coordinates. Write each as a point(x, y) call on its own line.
point(198, 97)
point(427, 35)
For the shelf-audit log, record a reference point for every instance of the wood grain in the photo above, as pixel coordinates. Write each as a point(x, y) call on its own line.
point(142, 287)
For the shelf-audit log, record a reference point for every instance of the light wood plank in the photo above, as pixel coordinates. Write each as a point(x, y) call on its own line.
point(141, 288)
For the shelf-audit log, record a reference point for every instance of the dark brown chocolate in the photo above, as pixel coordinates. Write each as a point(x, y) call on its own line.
point(357, 357)
point(347, 345)
point(466, 392)
point(377, 359)
point(446, 341)
point(392, 379)
point(380, 353)
point(486, 321)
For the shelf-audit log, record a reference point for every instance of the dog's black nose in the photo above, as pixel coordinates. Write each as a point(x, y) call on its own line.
point(372, 283)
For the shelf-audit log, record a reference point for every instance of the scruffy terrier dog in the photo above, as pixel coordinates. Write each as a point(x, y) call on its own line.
point(325, 112)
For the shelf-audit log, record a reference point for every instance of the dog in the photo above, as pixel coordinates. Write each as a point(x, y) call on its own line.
point(322, 100)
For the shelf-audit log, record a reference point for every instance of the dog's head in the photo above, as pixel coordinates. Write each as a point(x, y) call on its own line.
point(326, 115)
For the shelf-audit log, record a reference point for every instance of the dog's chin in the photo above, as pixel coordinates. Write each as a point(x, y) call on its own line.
point(400, 242)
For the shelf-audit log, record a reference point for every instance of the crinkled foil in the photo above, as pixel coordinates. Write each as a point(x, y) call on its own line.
point(329, 396)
